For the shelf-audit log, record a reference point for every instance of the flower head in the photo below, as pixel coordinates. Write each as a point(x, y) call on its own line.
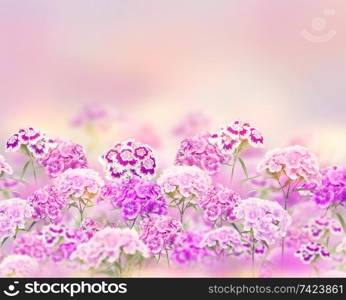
point(135, 197)
point(267, 219)
point(236, 136)
point(311, 251)
point(184, 182)
point(32, 141)
point(66, 155)
point(198, 151)
point(47, 203)
point(106, 246)
point(295, 162)
point(159, 232)
point(81, 185)
point(128, 159)
point(218, 203)
point(13, 214)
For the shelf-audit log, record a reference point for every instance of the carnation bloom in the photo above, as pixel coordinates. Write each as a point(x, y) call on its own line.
point(128, 159)
point(79, 185)
point(19, 266)
point(297, 163)
point(223, 241)
point(322, 226)
point(47, 203)
point(13, 214)
point(218, 204)
point(106, 247)
point(332, 188)
point(267, 220)
point(135, 197)
point(159, 233)
point(184, 182)
point(184, 185)
point(187, 248)
point(236, 136)
point(308, 253)
point(5, 167)
point(34, 143)
point(66, 155)
point(197, 151)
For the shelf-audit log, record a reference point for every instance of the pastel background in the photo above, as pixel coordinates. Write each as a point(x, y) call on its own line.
point(151, 63)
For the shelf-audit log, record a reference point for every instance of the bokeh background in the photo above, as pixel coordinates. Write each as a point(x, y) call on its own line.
point(146, 66)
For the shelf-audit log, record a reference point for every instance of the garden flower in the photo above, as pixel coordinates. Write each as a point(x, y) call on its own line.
point(13, 215)
point(318, 228)
point(184, 185)
point(31, 245)
point(110, 247)
point(332, 188)
point(66, 155)
point(236, 137)
point(224, 241)
point(19, 266)
point(159, 233)
point(135, 197)
point(187, 249)
point(310, 252)
point(79, 186)
point(128, 159)
point(297, 163)
point(218, 204)
point(47, 203)
point(5, 167)
point(197, 151)
point(33, 142)
point(267, 220)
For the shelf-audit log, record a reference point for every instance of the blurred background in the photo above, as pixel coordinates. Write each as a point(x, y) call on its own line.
point(100, 71)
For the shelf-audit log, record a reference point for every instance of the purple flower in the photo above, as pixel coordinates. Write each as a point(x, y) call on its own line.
point(197, 151)
point(128, 159)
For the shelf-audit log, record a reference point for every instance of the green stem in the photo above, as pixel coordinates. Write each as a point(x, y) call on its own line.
point(234, 163)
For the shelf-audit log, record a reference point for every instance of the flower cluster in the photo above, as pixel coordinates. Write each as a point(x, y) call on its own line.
point(66, 155)
point(310, 252)
point(296, 162)
point(218, 204)
point(187, 248)
point(80, 185)
point(13, 214)
point(135, 197)
point(332, 189)
point(236, 137)
point(107, 245)
point(55, 242)
point(19, 266)
point(184, 182)
point(266, 219)
point(159, 233)
point(223, 240)
point(128, 159)
point(197, 151)
point(318, 228)
point(47, 203)
point(35, 143)
point(5, 167)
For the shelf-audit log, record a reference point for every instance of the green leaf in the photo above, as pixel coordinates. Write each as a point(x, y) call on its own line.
point(342, 221)
point(25, 169)
point(250, 178)
point(243, 167)
point(4, 240)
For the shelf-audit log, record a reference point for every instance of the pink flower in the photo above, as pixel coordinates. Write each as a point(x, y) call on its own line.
point(128, 159)
point(295, 162)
